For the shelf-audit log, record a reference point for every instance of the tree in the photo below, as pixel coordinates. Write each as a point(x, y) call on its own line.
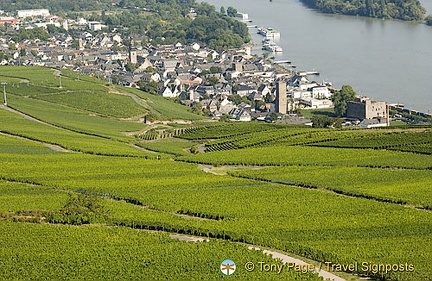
point(222, 10)
point(231, 12)
point(83, 208)
point(236, 99)
point(23, 52)
point(212, 81)
point(260, 105)
point(215, 69)
point(115, 79)
point(321, 121)
point(131, 67)
point(429, 20)
point(150, 87)
point(341, 98)
point(273, 116)
point(268, 98)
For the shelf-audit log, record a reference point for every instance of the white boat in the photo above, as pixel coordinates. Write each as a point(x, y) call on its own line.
point(272, 47)
point(269, 32)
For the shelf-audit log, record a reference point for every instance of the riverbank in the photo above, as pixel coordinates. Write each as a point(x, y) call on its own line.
point(382, 59)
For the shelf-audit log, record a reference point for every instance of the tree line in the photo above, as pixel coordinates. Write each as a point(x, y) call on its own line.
point(410, 10)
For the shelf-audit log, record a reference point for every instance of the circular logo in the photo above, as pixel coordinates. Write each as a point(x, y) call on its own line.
point(228, 267)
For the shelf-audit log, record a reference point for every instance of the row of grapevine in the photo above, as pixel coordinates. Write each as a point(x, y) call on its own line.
point(393, 140)
point(255, 139)
point(104, 253)
point(281, 155)
point(226, 130)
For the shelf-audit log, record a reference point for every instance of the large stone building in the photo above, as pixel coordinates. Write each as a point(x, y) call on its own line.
point(364, 108)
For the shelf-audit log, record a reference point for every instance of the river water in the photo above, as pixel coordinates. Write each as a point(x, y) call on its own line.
point(386, 60)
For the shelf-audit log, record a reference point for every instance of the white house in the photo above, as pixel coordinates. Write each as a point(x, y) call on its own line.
point(117, 38)
point(167, 92)
point(315, 103)
point(320, 92)
point(95, 26)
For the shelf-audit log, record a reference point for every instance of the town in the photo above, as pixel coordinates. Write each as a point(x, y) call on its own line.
point(231, 84)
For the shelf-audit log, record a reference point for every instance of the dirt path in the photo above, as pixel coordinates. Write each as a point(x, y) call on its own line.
point(142, 149)
point(222, 170)
point(287, 259)
point(187, 238)
point(26, 116)
point(276, 255)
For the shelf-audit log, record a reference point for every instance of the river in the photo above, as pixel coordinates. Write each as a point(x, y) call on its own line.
point(387, 60)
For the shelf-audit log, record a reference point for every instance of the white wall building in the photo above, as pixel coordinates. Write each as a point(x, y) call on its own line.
point(95, 26)
point(33, 13)
point(321, 92)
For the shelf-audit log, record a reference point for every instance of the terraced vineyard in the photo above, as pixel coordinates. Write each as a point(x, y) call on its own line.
point(257, 138)
point(81, 198)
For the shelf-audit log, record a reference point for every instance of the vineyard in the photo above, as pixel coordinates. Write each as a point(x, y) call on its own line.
point(86, 193)
point(398, 186)
point(32, 251)
point(418, 142)
point(280, 155)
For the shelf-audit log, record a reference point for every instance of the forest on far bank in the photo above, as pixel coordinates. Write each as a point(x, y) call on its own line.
point(410, 10)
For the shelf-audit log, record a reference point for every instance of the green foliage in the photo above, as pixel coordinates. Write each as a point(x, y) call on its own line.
point(170, 146)
point(150, 87)
point(212, 81)
point(269, 98)
point(4, 56)
point(340, 99)
point(76, 120)
point(215, 69)
point(397, 9)
point(281, 155)
point(161, 106)
point(35, 33)
point(80, 142)
point(131, 67)
point(397, 186)
point(16, 198)
point(231, 12)
point(220, 131)
point(320, 121)
point(107, 104)
point(98, 252)
point(55, 6)
point(218, 33)
point(80, 209)
point(237, 99)
point(429, 20)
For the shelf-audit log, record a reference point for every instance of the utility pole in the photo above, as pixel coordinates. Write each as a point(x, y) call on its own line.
point(4, 93)
point(60, 81)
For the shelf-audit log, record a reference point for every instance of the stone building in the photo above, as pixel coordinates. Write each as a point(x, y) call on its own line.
point(281, 97)
point(364, 108)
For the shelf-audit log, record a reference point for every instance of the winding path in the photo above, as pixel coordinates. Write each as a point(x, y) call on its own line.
point(276, 255)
